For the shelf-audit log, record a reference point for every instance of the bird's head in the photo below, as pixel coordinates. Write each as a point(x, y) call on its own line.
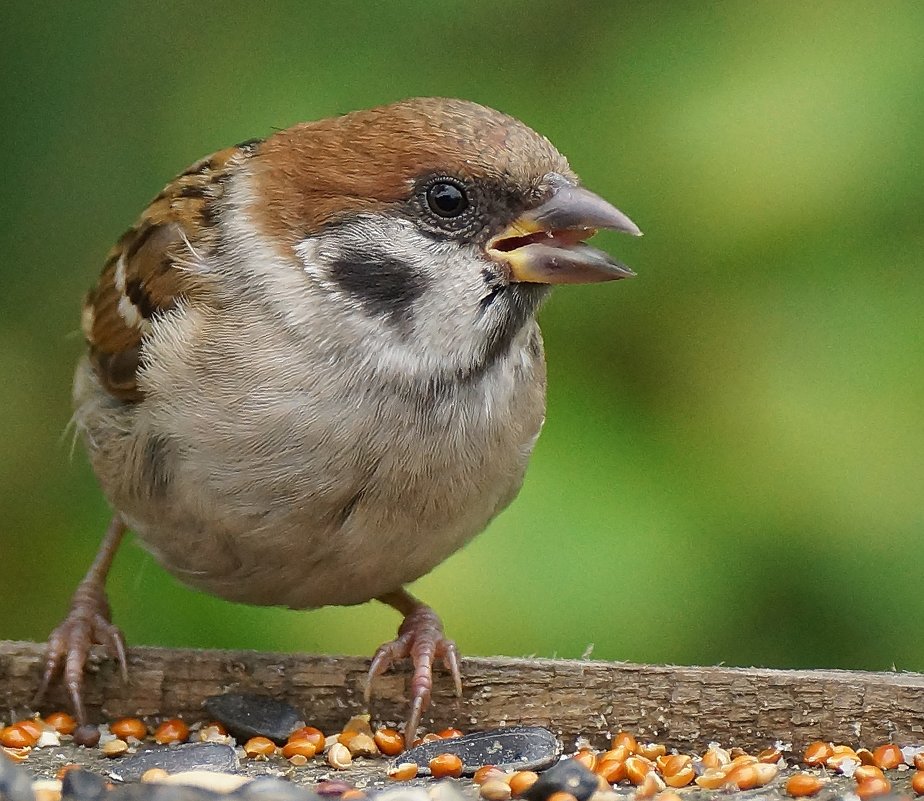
point(442, 221)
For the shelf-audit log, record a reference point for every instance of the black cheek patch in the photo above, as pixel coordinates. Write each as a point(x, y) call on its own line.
point(383, 286)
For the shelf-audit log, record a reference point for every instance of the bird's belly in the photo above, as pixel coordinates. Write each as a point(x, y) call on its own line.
point(284, 509)
point(343, 547)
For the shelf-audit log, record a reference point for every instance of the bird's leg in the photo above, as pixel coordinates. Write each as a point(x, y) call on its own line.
point(421, 638)
point(88, 622)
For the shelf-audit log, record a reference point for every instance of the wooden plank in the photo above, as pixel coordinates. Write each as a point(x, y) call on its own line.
point(685, 707)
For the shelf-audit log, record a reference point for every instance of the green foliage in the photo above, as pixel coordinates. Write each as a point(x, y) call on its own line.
point(732, 466)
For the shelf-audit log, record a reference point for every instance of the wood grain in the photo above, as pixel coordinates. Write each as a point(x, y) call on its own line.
point(686, 707)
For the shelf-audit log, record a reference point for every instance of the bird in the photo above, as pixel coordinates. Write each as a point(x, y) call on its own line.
point(313, 368)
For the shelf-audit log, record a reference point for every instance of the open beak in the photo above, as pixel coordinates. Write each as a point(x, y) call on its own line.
point(546, 244)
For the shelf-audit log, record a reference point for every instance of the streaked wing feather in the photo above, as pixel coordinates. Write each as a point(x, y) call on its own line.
point(144, 276)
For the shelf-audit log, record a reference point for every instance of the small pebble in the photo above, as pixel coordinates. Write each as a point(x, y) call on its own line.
point(568, 776)
point(247, 715)
point(86, 735)
point(83, 785)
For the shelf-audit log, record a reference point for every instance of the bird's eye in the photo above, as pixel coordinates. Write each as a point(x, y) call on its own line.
point(447, 198)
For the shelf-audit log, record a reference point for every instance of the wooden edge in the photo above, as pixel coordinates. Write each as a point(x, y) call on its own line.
point(681, 706)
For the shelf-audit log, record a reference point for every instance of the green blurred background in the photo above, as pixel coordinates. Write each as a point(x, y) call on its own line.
point(732, 466)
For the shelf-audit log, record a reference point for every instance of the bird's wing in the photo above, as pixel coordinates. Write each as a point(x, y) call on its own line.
point(146, 272)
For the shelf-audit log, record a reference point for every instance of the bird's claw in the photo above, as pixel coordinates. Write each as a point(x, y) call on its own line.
point(421, 638)
point(86, 624)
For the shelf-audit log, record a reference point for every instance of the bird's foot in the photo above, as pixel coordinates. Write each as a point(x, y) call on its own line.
point(87, 623)
point(421, 638)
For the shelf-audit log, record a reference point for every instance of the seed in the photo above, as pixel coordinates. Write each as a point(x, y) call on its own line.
point(16, 736)
point(353, 794)
point(312, 735)
point(749, 776)
point(389, 741)
point(626, 739)
point(129, 727)
point(803, 784)
point(669, 795)
point(403, 771)
point(888, 756)
point(259, 748)
point(917, 782)
point(612, 771)
point(114, 748)
point(864, 772)
point(358, 723)
point(839, 756)
point(449, 734)
point(298, 760)
point(16, 754)
point(652, 750)
point(736, 752)
point(637, 768)
point(716, 757)
point(561, 795)
point(86, 735)
point(919, 760)
point(769, 756)
point(587, 758)
point(443, 765)
point(212, 733)
point(171, 731)
point(362, 745)
point(618, 754)
point(495, 790)
point(651, 785)
point(32, 726)
point(339, 757)
point(488, 772)
point(682, 777)
point(712, 779)
point(873, 787)
point(154, 775)
point(669, 765)
point(304, 748)
point(432, 737)
point(741, 760)
point(521, 781)
point(61, 722)
point(817, 753)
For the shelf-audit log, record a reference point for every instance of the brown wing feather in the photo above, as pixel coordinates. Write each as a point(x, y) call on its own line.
point(142, 275)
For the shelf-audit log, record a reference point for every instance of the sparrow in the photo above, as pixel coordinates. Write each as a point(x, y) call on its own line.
point(313, 367)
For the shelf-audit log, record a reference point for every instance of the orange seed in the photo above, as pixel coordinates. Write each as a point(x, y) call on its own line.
point(61, 722)
point(443, 765)
point(129, 727)
point(888, 756)
point(917, 782)
point(803, 784)
point(870, 788)
point(521, 781)
point(259, 747)
point(389, 742)
point(171, 731)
